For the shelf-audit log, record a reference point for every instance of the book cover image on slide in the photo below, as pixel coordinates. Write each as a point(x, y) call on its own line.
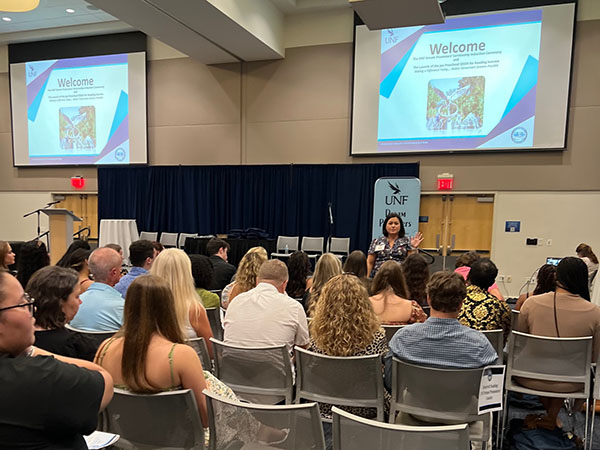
point(455, 104)
point(77, 128)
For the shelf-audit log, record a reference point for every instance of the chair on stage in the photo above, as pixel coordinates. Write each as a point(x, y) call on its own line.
point(149, 235)
point(312, 246)
point(183, 237)
point(340, 247)
point(168, 239)
point(285, 244)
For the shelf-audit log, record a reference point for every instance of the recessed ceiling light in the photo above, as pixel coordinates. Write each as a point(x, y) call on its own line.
point(6, 19)
point(70, 11)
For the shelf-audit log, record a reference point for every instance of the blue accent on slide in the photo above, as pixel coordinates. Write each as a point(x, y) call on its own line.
point(35, 104)
point(526, 81)
point(389, 83)
point(120, 113)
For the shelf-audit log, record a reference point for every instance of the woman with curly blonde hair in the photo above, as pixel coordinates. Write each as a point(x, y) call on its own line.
point(328, 266)
point(245, 276)
point(345, 324)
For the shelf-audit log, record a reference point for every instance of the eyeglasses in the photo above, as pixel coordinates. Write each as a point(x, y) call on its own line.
point(29, 304)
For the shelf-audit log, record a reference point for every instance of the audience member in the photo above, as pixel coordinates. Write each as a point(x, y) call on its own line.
point(441, 341)
point(265, 315)
point(481, 310)
point(203, 272)
point(158, 246)
point(48, 401)
point(245, 276)
point(356, 264)
point(55, 291)
point(586, 254)
point(141, 256)
point(102, 305)
point(390, 297)
point(32, 257)
point(463, 266)
point(7, 256)
point(174, 266)
point(566, 312)
point(77, 244)
point(116, 247)
point(327, 267)
point(416, 274)
point(217, 249)
point(299, 270)
point(546, 282)
point(344, 324)
point(78, 261)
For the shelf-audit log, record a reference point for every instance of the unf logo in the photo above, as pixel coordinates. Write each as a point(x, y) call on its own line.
point(396, 198)
point(390, 37)
point(120, 154)
point(519, 135)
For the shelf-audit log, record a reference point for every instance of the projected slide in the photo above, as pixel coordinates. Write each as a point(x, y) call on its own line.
point(469, 83)
point(78, 110)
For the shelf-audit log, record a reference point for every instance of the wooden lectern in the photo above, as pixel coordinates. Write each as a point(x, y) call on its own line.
point(61, 231)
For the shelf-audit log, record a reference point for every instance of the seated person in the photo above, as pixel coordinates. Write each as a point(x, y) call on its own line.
point(390, 295)
point(141, 256)
point(356, 264)
point(32, 257)
point(78, 261)
point(245, 276)
point(481, 310)
point(299, 270)
point(55, 291)
point(546, 282)
point(202, 272)
point(416, 274)
point(327, 267)
point(335, 330)
point(48, 401)
point(463, 266)
point(7, 256)
point(218, 249)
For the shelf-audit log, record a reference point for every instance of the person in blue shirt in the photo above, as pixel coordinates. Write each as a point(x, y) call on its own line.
point(102, 305)
point(141, 256)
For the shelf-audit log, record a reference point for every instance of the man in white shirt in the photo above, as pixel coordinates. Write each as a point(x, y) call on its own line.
point(265, 315)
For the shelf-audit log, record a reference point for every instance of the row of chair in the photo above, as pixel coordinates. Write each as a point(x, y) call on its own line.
point(313, 246)
point(168, 239)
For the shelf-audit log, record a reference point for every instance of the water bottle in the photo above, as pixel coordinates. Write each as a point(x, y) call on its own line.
point(287, 249)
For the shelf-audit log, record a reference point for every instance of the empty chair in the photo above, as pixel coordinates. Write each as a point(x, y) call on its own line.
point(168, 239)
point(340, 380)
point(149, 235)
point(165, 420)
point(543, 358)
point(286, 245)
point(291, 427)
point(496, 338)
point(339, 246)
point(214, 318)
point(98, 337)
point(352, 432)
point(438, 395)
point(183, 237)
point(312, 246)
point(390, 330)
point(258, 374)
point(199, 344)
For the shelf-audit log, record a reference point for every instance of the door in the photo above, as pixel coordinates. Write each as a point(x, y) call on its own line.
point(84, 206)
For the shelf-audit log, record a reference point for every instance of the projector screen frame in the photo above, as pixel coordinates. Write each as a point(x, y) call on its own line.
point(97, 45)
point(458, 8)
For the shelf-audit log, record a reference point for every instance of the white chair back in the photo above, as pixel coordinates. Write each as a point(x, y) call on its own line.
point(149, 235)
point(168, 239)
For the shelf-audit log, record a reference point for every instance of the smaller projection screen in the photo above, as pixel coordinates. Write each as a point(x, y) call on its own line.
point(88, 110)
point(483, 82)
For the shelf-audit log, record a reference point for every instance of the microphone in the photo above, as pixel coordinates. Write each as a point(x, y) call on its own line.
point(53, 203)
point(330, 214)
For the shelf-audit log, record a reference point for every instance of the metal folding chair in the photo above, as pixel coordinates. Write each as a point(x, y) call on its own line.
point(496, 338)
point(199, 344)
point(285, 243)
point(168, 239)
point(149, 235)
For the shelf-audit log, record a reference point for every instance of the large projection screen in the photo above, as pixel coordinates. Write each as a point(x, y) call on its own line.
point(496, 81)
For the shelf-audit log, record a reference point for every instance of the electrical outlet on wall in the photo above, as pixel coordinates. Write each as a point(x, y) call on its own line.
point(549, 242)
point(500, 278)
point(540, 242)
point(509, 278)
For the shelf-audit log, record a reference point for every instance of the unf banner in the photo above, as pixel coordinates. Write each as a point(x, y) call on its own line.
point(401, 195)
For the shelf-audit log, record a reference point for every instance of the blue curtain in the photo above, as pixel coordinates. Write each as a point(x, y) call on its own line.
point(287, 200)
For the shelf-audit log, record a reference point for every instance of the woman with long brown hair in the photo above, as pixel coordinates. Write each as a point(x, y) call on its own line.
point(327, 267)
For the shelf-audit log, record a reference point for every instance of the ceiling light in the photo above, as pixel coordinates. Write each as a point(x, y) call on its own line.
point(6, 19)
point(70, 11)
point(18, 5)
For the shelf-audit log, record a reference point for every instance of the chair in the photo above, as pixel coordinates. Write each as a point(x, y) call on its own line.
point(300, 425)
point(339, 246)
point(258, 374)
point(98, 337)
point(340, 380)
point(168, 239)
point(199, 344)
point(165, 420)
point(183, 237)
point(149, 236)
point(289, 243)
point(514, 319)
point(548, 359)
point(438, 395)
point(214, 318)
point(496, 338)
point(426, 309)
point(592, 405)
point(390, 331)
point(312, 246)
point(352, 432)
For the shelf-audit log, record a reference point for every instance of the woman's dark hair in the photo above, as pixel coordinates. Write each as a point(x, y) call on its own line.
point(401, 233)
point(298, 269)
point(390, 276)
point(585, 250)
point(33, 257)
point(78, 259)
point(546, 279)
point(50, 287)
point(356, 264)
point(466, 259)
point(416, 273)
point(572, 275)
point(65, 260)
point(202, 271)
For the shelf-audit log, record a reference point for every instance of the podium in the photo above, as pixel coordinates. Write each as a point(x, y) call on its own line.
point(61, 231)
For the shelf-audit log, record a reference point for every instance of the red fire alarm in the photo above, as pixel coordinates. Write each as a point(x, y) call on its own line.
point(445, 182)
point(77, 182)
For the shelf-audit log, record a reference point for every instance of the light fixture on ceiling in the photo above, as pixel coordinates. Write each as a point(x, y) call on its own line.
point(70, 10)
point(18, 5)
point(6, 19)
